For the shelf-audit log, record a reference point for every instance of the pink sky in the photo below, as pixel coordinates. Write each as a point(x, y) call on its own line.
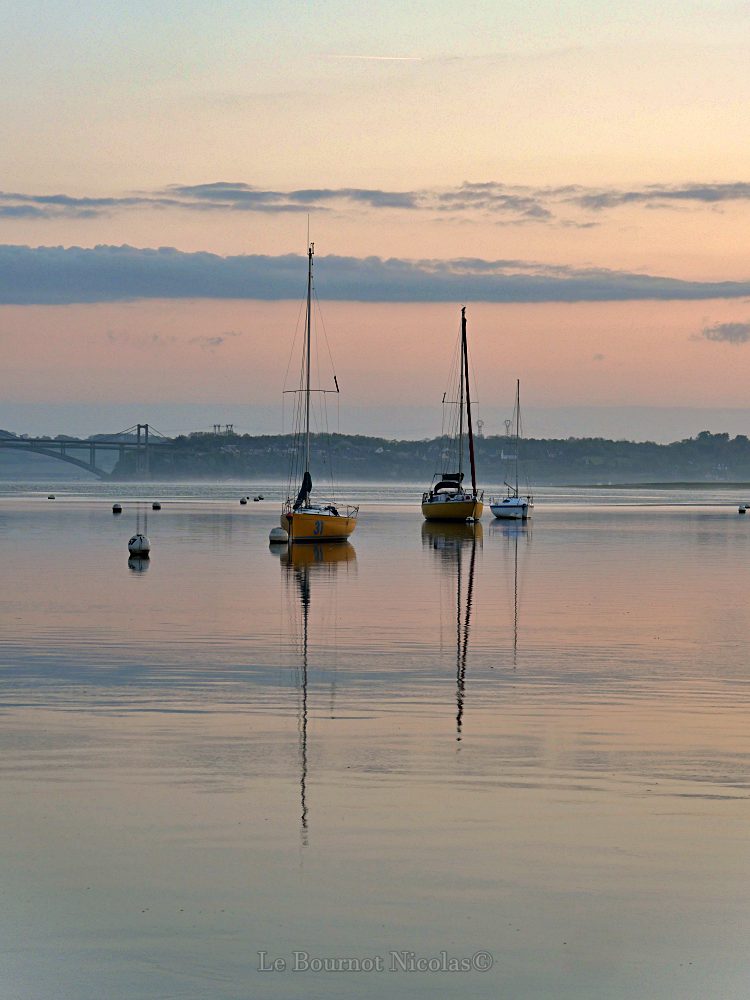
point(233, 353)
point(564, 138)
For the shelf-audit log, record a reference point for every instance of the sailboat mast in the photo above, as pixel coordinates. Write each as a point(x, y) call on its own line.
point(461, 396)
point(518, 425)
point(310, 250)
point(465, 368)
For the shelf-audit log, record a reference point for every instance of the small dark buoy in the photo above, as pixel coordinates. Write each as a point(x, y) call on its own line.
point(117, 508)
point(51, 496)
point(243, 500)
point(742, 509)
point(256, 499)
point(156, 505)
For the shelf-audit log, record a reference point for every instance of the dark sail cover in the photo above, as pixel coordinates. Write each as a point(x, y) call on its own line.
point(304, 492)
point(450, 481)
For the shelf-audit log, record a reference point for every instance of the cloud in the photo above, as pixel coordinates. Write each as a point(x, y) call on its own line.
point(140, 339)
point(59, 275)
point(54, 206)
point(493, 197)
point(727, 333)
point(506, 204)
point(659, 196)
point(22, 212)
point(210, 343)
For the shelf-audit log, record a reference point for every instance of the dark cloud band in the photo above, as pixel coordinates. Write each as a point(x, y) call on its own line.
point(58, 275)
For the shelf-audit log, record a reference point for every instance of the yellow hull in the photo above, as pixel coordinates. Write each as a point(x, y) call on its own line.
point(317, 527)
point(458, 510)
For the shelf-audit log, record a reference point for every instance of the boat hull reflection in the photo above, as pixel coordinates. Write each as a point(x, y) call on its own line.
point(444, 534)
point(318, 554)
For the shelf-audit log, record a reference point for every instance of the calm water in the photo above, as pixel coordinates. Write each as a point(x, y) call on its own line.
point(526, 742)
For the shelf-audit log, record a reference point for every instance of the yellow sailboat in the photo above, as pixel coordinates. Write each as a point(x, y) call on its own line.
point(305, 519)
point(448, 499)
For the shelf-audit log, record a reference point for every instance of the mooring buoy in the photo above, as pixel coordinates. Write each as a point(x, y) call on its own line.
point(139, 545)
point(117, 508)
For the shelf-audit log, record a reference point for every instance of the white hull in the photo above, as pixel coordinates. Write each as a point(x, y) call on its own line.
point(512, 509)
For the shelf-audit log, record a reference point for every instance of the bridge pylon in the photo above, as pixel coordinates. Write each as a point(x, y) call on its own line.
point(142, 454)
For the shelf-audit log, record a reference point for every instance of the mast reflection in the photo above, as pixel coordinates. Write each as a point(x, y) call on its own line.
point(301, 564)
point(513, 533)
point(451, 543)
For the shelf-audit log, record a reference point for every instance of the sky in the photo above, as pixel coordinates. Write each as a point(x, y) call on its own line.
point(577, 176)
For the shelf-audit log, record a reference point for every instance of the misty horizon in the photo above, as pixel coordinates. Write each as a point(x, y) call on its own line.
point(662, 425)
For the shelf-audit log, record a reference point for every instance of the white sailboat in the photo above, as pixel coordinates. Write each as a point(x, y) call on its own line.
point(513, 506)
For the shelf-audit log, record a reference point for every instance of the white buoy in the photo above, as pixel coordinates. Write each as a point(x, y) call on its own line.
point(278, 536)
point(139, 545)
point(117, 508)
point(156, 505)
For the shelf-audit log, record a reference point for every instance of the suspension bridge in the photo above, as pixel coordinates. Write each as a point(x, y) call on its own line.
point(140, 439)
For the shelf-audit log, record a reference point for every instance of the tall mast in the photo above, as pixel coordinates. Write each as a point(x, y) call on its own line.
point(465, 368)
point(518, 425)
point(461, 395)
point(310, 251)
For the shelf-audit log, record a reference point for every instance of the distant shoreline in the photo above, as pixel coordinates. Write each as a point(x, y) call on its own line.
point(708, 461)
point(663, 485)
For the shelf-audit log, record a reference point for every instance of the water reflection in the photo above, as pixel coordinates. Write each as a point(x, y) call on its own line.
point(302, 564)
point(139, 564)
point(512, 534)
point(453, 543)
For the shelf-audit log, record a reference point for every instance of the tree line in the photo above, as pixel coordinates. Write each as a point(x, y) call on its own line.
point(705, 458)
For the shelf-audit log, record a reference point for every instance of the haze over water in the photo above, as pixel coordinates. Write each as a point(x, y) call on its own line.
point(530, 742)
